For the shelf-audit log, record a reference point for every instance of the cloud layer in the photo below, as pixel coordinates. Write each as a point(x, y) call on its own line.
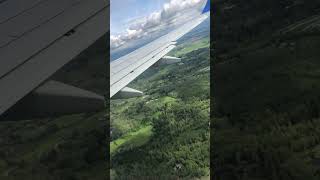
point(173, 13)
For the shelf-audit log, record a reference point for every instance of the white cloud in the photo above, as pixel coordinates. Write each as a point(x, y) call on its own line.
point(172, 13)
point(174, 6)
point(116, 41)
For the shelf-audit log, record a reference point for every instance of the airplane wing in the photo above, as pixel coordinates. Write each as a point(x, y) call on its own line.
point(38, 37)
point(127, 68)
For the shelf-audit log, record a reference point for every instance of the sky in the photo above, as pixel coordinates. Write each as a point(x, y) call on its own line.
point(132, 20)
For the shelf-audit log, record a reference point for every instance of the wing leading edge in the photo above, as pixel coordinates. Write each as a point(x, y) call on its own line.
point(127, 68)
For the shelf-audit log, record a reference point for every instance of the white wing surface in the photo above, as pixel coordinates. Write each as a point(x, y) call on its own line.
point(127, 68)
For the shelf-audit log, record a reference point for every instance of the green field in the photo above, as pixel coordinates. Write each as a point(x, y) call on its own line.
point(191, 46)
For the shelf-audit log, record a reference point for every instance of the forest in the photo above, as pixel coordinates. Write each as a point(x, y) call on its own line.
point(266, 91)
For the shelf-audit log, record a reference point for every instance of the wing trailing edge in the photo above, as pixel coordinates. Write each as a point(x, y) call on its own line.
point(169, 60)
point(127, 92)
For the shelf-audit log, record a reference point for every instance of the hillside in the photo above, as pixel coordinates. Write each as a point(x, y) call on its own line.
point(165, 134)
point(266, 90)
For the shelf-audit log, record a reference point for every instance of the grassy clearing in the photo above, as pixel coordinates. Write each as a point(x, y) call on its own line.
point(131, 140)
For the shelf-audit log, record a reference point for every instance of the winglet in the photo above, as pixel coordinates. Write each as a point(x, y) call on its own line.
point(206, 7)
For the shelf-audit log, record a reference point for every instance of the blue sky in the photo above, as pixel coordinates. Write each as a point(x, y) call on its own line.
point(132, 20)
point(122, 11)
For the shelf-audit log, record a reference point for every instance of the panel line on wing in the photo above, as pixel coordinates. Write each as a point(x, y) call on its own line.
point(137, 64)
point(139, 70)
point(13, 8)
point(15, 28)
point(131, 59)
point(132, 63)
